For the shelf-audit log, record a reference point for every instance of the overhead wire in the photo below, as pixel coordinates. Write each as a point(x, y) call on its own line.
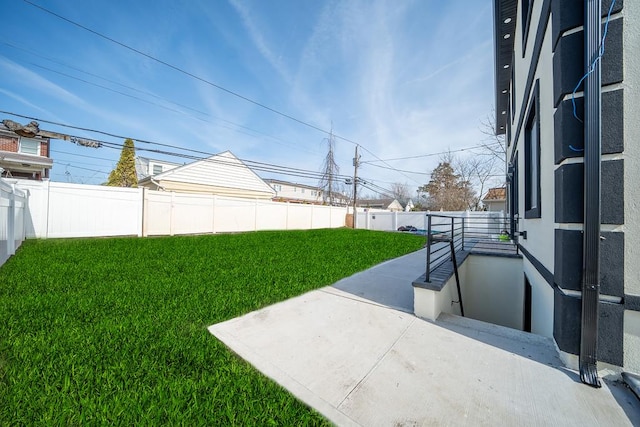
point(185, 72)
point(275, 138)
point(208, 82)
point(202, 155)
point(473, 147)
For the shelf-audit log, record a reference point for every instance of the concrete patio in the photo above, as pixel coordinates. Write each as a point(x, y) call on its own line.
point(355, 352)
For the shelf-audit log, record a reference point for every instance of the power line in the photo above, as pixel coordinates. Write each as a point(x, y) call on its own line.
point(78, 167)
point(31, 52)
point(205, 156)
point(434, 154)
point(203, 80)
point(187, 73)
point(176, 68)
point(268, 167)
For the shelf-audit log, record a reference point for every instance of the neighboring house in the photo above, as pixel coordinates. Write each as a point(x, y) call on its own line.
point(384, 204)
point(561, 166)
point(409, 206)
point(23, 157)
point(495, 199)
point(223, 174)
point(295, 193)
point(146, 167)
point(302, 193)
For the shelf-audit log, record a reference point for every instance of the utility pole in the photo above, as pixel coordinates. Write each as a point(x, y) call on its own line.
point(356, 162)
point(331, 162)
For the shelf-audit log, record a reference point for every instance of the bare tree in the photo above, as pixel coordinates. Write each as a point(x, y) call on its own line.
point(493, 145)
point(400, 192)
point(476, 172)
point(330, 170)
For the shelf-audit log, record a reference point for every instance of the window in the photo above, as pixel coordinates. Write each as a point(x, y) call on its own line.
point(314, 193)
point(532, 159)
point(302, 191)
point(277, 187)
point(526, 21)
point(157, 169)
point(29, 146)
point(513, 87)
point(513, 193)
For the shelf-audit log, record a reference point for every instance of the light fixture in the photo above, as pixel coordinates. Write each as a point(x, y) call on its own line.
point(504, 91)
point(505, 66)
point(504, 112)
point(506, 36)
point(506, 21)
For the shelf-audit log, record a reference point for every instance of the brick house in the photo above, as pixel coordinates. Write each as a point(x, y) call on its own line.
point(22, 157)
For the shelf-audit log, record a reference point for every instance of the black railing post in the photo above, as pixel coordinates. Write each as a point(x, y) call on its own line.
point(453, 220)
point(452, 225)
point(463, 233)
point(428, 248)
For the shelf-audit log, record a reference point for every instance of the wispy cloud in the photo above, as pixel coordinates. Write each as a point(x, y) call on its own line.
point(24, 101)
point(36, 82)
point(260, 41)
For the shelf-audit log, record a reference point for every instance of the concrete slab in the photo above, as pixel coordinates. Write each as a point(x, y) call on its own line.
point(359, 362)
point(389, 283)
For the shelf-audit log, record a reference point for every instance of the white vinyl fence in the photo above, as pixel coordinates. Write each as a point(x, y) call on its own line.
point(74, 210)
point(13, 208)
point(391, 221)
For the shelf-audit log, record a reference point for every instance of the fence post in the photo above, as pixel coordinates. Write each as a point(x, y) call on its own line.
point(463, 233)
point(171, 215)
point(286, 226)
point(394, 221)
point(11, 222)
point(428, 228)
point(311, 219)
point(255, 215)
point(143, 212)
point(213, 214)
point(46, 229)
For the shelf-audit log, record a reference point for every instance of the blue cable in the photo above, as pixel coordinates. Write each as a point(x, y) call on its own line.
point(593, 66)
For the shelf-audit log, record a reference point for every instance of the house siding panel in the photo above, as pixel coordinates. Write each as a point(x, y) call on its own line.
point(566, 329)
point(555, 59)
point(568, 261)
point(569, 133)
point(220, 174)
point(568, 60)
point(569, 14)
point(569, 192)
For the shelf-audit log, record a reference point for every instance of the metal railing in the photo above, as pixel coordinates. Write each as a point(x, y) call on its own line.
point(447, 235)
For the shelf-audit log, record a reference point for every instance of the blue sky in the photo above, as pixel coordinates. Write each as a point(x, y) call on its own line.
point(400, 78)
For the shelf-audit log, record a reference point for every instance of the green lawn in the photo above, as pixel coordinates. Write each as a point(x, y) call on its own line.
point(96, 331)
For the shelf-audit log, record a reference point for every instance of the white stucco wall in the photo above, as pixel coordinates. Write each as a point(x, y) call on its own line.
point(631, 343)
point(493, 290)
point(540, 231)
point(631, 85)
point(428, 304)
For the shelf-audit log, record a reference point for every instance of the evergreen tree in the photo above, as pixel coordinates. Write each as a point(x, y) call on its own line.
point(124, 174)
point(447, 191)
